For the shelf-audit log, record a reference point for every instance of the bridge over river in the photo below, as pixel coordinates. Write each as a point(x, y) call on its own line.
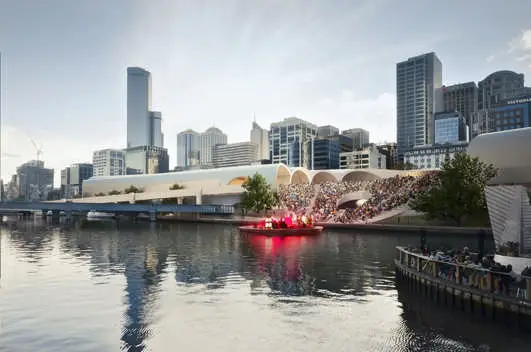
point(152, 209)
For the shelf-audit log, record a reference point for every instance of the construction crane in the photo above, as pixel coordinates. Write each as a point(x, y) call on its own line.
point(37, 148)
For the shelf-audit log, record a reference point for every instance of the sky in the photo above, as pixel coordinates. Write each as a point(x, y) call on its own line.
point(219, 62)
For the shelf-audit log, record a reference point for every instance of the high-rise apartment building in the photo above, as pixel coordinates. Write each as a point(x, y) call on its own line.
point(418, 98)
point(209, 139)
point(260, 137)
point(288, 140)
point(359, 136)
point(143, 125)
point(108, 162)
point(463, 98)
point(234, 154)
point(188, 147)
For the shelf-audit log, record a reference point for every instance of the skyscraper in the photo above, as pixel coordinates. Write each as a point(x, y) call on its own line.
point(418, 98)
point(143, 125)
point(138, 106)
point(288, 141)
point(260, 138)
point(188, 146)
point(209, 139)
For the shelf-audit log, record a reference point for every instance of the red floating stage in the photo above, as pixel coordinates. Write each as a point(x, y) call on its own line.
point(287, 226)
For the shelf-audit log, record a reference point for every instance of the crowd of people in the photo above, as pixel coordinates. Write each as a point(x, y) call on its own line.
point(385, 194)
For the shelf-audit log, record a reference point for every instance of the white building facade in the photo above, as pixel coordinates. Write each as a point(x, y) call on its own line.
point(109, 162)
point(234, 154)
point(209, 139)
point(260, 138)
point(433, 156)
point(366, 158)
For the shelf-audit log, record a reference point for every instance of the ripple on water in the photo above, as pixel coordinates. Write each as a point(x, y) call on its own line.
point(204, 287)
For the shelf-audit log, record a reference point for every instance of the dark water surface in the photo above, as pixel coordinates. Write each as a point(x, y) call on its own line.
point(186, 287)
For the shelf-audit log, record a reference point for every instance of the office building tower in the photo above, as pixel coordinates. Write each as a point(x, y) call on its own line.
point(288, 140)
point(328, 130)
point(108, 162)
point(34, 180)
point(260, 137)
point(188, 147)
point(359, 136)
point(512, 114)
point(146, 160)
point(209, 139)
point(138, 106)
point(418, 98)
point(234, 154)
point(450, 127)
point(323, 152)
point(499, 86)
point(463, 98)
point(72, 178)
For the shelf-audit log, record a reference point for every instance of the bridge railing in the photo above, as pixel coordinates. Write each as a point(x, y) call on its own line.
point(472, 276)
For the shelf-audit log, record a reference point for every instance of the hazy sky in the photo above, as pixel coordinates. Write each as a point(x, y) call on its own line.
point(219, 61)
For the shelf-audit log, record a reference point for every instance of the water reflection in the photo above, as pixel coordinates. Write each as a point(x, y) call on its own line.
point(147, 280)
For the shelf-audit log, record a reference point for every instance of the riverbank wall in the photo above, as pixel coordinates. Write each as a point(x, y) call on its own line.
point(381, 228)
point(480, 295)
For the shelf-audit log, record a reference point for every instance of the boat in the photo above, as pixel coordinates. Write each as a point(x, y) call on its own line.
point(94, 215)
point(294, 231)
point(286, 226)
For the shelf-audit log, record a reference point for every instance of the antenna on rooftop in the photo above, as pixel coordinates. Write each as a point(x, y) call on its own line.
point(254, 116)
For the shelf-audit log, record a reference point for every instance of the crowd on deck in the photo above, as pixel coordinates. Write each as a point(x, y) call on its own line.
point(505, 279)
point(385, 194)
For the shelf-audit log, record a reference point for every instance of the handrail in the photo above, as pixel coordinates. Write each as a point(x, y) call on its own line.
point(479, 278)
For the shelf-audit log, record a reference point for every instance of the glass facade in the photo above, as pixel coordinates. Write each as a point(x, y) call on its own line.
point(324, 154)
point(138, 106)
point(188, 146)
point(449, 128)
point(287, 140)
point(510, 117)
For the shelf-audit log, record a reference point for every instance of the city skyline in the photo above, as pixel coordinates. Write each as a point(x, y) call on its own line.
point(63, 77)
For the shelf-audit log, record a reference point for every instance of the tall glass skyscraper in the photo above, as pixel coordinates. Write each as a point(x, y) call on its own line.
point(138, 106)
point(143, 125)
point(418, 98)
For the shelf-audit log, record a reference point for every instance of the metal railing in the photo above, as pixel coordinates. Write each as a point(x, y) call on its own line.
point(468, 275)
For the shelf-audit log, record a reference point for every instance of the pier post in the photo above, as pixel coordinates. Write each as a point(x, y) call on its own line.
point(528, 289)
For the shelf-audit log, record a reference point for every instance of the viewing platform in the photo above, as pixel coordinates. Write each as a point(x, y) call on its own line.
point(493, 295)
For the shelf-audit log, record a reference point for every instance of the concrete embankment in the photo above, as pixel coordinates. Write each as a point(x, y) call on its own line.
point(387, 228)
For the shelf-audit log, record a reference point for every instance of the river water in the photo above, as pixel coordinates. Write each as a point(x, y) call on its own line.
point(141, 287)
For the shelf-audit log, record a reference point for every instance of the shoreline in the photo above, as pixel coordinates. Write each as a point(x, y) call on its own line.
point(389, 228)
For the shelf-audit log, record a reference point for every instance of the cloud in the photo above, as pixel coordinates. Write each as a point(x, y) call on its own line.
point(17, 148)
point(522, 42)
point(490, 58)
